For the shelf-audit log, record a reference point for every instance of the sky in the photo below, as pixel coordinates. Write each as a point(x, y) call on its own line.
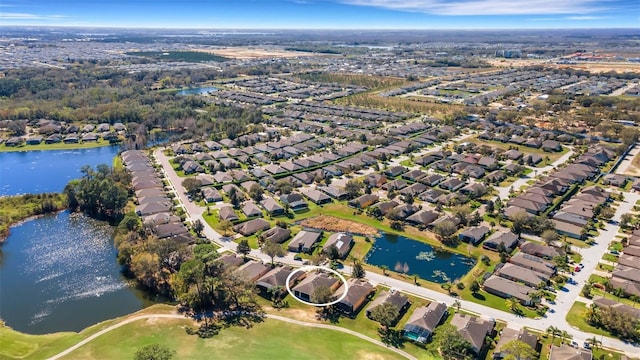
point(324, 14)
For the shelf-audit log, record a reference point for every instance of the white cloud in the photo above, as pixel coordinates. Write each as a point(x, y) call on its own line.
point(486, 7)
point(585, 17)
point(25, 16)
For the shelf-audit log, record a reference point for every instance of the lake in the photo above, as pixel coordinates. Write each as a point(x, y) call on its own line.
point(59, 273)
point(197, 90)
point(47, 171)
point(397, 252)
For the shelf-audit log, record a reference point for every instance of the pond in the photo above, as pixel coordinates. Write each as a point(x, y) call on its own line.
point(59, 273)
point(402, 254)
point(49, 170)
point(197, 90)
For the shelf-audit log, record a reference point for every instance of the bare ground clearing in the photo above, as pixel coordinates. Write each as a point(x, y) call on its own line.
point(331, 223)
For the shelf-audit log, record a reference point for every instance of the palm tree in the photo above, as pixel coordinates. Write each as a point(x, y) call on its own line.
point(592, 314)
point(564, 335)
point(457, 305)
point(384, 269)
point(553, 331)
point(513, 304)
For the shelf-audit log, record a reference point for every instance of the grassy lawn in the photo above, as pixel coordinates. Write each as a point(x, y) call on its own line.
point(610, 257)
point(265, 340)
point(16, 345)
point(57, 146)
point(576, 317)
point(361, 247)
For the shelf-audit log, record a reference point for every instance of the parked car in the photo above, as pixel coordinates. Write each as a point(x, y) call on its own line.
point(577, 269)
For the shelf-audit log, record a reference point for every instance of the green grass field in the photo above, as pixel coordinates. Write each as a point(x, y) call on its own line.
point(576, 317)
point(268, 340)
point(58, 146)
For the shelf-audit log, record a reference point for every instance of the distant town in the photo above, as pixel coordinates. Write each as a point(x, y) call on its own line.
point(456, 195)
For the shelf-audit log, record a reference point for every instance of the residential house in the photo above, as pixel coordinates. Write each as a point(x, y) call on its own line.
point(473, 329)
point(211, 195)
point(423, 217)
point(276, 234)
point(316, 196)
point(306, 288)
point(423, 321)
point(251, 227)
point(534, 263)
point(519, 274)
point(551, 146)
point(358, 293)
point(432, 180)
point(567, 352)
point(272, 207)
point(506, 288)
point(474, 235)
point(508, 239)
point(509, 335)
point(364, 201)
point(252, 270)
point(452, 184)
point(540, 250)
point(250, 209)
point(571, 230)
point(394, 298)
point(304, 241)
point(227, 213)
point(296, 201)
point(276, 278)
point(343, 242)
point(334, 192)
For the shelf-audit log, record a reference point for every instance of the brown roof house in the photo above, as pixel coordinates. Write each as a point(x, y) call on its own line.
point(306, 288)
point(473, 329)
point(277, 278)
point(343, 242)
point(252, 226)
point(506, 288)
point(390, 297)
point(252, 270)
point(566, 352)
point(424, 319)
point(509, 334)
point(357, 295)
point(304, 241)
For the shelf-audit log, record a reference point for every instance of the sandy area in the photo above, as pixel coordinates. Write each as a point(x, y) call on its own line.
point(598, 67)
point(254, 52)
point(331, 223)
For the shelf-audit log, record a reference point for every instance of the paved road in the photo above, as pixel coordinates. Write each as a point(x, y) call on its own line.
point(503, 192)
point(270, 316)
point(564, 301)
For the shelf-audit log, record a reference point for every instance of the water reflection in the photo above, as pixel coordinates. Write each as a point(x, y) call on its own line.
point(59, 273)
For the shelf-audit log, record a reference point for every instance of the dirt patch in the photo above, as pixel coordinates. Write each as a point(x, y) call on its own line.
point(332, 223)
point(244, 53)
point(366, 355)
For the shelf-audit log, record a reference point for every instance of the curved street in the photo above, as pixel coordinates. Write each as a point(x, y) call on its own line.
point(564, 300)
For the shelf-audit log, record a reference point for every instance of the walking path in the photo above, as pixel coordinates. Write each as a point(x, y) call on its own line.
point(270, 316)
point(564, 299)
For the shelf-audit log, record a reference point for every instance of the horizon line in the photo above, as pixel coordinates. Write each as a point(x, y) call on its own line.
point(307, 29)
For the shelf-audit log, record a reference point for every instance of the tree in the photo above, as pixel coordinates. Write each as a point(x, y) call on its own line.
point(243, 247)
point(462, 213)
point(385, 314)
point(384, 268)
point(444, 230)
point(553, 331)
point(272, 250)
point(191, 186)
point(352, 188)
point(198, 226)
point(549, 236)
point(225, 226)
point(256, 192)
point(564, 335)
point(321, 295)
point(513, 304)
point(332, 252)
point(475, 287)
point(357, 271)
point(154, 352)
point(625, 220)
point(450, 344)
point(518, 350)
point(457, 305)
point(520, 220)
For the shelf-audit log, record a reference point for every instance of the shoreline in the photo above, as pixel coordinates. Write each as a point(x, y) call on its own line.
point(4, 237)
point(50, 147)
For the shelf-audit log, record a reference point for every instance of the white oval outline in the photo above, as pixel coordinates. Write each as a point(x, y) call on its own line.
point(313, 267)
